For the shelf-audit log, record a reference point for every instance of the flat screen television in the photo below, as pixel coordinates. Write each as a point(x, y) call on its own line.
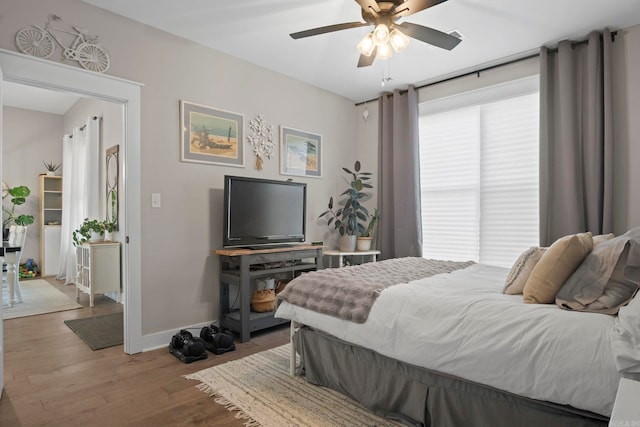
point(260, 212)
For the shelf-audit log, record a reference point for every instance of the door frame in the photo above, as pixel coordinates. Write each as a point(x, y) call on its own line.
point(28, 70)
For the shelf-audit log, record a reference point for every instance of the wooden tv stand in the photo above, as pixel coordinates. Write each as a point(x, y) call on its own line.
point(239, 266)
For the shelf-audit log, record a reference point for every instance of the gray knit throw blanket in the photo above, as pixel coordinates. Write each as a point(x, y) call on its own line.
point(349, 293)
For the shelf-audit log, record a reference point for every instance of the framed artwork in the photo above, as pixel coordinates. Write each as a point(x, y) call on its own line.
point(300, 153)
point(211, 135)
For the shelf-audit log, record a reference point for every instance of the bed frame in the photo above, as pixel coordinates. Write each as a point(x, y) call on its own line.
point(416, 396)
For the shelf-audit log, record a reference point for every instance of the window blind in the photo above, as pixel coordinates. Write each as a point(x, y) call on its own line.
point(479, 178)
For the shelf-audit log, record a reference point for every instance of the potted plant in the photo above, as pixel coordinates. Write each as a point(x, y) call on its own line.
point(18, 196)
point(109, 228)
point(364, 239)
point(91, 230)
point(51, 168)
point(348, 219)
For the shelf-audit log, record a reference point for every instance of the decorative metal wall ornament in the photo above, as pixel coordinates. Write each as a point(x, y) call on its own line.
point(261, 140)
point(84, 48)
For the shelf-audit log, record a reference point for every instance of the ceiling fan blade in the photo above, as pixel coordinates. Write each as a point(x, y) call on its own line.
point(369, 4)
point(429, 35)
point(327, 29)
point(366, 61)
point(410, 7)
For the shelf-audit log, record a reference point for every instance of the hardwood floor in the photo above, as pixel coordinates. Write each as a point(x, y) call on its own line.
point(53, 378)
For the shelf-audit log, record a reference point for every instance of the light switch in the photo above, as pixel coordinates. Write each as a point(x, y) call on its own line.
point(155, 200)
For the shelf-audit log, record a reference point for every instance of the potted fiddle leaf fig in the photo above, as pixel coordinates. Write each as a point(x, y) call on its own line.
point(349, 218)
point(17, 197)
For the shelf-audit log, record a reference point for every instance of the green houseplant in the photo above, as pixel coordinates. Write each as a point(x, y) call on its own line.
point(109, 228)
point(89, 230)
point(350, 217)
point(51, 167)
point(18, 196)
point(365, 238)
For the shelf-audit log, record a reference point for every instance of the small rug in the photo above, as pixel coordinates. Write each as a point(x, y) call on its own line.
point(39, 297)
point(260, 388)
point(100, 331)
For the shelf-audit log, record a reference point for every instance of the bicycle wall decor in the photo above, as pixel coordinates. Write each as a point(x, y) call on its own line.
point(84, 48)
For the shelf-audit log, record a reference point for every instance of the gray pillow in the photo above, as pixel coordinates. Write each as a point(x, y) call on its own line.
point(607, 279)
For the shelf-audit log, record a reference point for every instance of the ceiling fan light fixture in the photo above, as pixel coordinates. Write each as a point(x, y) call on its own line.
point(384, 51)
point(381, 34)
point(399, 41)
point(366, 45)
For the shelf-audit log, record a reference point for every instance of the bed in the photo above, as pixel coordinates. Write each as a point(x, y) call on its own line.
point(450, 347)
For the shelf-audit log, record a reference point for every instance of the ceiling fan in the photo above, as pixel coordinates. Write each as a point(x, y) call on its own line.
point(387, 34)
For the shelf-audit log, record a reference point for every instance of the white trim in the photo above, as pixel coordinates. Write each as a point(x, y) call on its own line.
point(162, 339)
point(32, 71)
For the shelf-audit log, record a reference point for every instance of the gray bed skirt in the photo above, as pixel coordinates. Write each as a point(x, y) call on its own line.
point(419, 397)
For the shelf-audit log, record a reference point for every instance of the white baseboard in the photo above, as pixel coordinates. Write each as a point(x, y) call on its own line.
point(162, 339)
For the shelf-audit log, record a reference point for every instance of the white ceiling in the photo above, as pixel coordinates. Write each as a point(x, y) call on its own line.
point(258, 31)
point(37, 99)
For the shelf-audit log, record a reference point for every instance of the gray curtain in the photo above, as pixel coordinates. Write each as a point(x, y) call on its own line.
point(400, 228)
point(576, 138)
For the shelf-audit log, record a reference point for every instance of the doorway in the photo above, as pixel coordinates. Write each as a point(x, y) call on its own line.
point(31, 71)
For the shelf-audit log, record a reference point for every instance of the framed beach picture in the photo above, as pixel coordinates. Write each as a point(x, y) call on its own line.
point(300, 153)
point(211, 135)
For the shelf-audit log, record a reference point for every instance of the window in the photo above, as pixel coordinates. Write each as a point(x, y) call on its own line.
point(479, 174)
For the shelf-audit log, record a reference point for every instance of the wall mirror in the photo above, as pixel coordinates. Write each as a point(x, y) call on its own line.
point(112, 184)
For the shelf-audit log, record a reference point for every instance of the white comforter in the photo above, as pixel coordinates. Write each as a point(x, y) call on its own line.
point(461, 324)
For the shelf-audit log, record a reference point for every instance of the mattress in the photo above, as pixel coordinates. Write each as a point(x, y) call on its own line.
point(462, 324)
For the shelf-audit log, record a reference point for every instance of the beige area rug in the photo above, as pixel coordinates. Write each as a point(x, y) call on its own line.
point(260, 388)
point(39, 297)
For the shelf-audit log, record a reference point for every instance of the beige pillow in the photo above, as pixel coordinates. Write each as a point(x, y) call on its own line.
point(521, 270)
point(601, 238)
point(554, 268)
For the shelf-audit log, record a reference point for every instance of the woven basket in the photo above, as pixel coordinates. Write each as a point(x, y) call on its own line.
point(263, 300)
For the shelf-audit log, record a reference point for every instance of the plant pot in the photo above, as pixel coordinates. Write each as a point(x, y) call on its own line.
point(347, 243)
point(364, 243)
point(49, 173)
point(96, 237)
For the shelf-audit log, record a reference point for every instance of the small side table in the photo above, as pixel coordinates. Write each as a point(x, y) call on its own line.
point(625, 407)
point(333, 253)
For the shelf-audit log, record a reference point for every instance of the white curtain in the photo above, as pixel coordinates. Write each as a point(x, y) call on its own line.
point(80, 192)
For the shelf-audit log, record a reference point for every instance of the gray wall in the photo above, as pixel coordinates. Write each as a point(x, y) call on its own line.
point(179, 274)
point(29, 138)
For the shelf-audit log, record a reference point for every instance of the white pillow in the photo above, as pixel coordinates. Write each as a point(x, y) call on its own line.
point(607, 278)
point(626, 337)
point(521, 270)
point(600, 238)
point(626, 330)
